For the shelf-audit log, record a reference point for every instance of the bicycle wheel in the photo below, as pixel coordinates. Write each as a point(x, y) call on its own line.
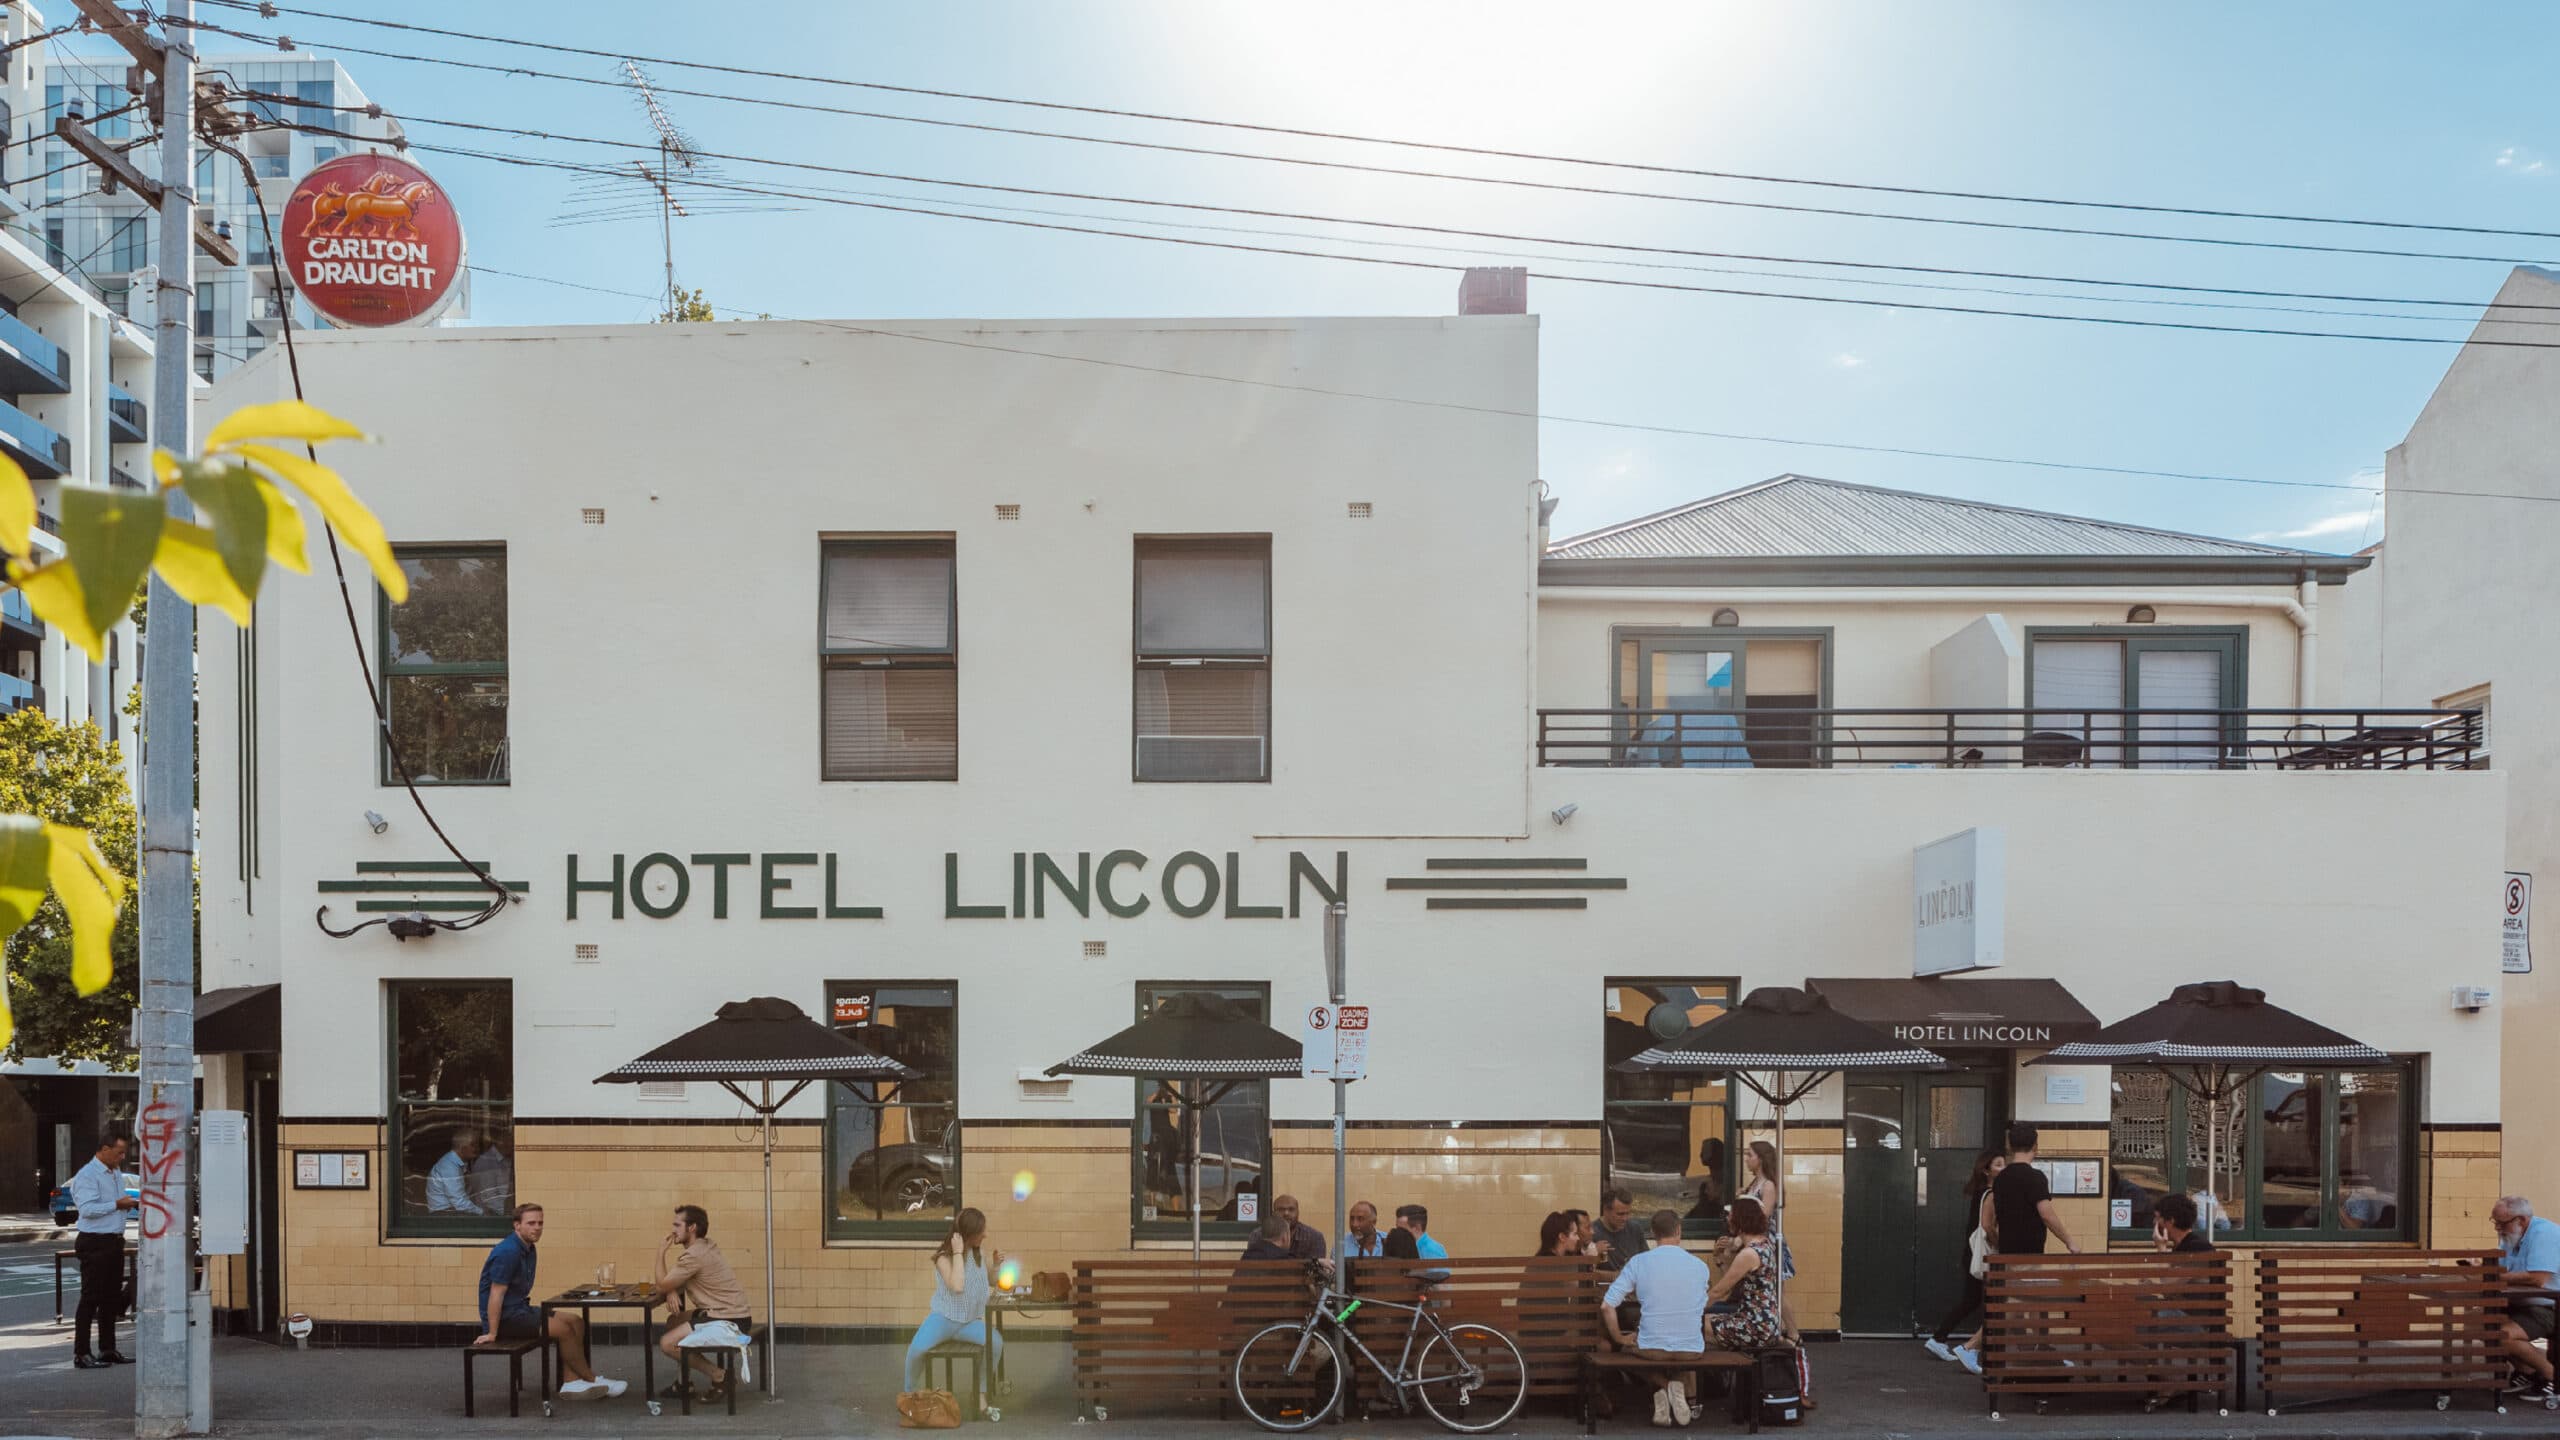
point(1471, 1378)
point(1287, 1377)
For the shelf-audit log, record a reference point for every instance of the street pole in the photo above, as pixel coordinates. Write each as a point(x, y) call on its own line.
point(166, 1027)
point(1337, 963)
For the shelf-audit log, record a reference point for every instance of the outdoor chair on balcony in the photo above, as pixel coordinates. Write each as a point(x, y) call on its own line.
point(2053, 748)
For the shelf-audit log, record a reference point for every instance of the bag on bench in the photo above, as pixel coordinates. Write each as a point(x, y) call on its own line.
point(723, 1335)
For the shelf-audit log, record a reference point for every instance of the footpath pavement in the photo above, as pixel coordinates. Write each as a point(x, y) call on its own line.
point(1867, 1388)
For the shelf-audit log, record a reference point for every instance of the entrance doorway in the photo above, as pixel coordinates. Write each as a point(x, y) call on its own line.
point(1911, 1144)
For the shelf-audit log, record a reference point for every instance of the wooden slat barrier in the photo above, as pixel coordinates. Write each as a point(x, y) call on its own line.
point(2144, 1324)
point(2345, 1322)
point(1167, 1330)
point(1549, 1307)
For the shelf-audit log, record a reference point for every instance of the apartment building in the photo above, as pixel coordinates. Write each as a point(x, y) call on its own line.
point(979, 684)
point(110, 242)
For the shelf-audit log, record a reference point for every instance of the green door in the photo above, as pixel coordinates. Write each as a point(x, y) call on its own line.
point(1911, 1143)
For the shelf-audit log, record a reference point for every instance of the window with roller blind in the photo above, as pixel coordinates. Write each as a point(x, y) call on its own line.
point(2080, 680)
point(888, 660)
point(1203, 620)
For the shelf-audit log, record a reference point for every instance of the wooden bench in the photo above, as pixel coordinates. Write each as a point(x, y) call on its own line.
point(1549, 1307)
point(515, 1351)
point(1741, 1374)
point(2339, 1324)
point(1168, 1330)
point(2140, 1323)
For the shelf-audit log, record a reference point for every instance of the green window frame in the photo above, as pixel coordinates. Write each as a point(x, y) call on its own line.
point(1640, 1113)
point(1242, 1115)
point(480, 682)
point(2230, 643)
point(2292, 1138)
point(449, 1048)
point(909, 1186)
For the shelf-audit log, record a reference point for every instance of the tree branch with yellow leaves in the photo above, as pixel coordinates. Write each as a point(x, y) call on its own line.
point(244, 488)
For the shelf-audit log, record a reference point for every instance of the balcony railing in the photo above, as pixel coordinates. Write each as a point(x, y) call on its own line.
point(123, 479)
point(128, 420)
point(17, 694)
point(1960, 739)
point(29, 363)
point(15, 609)
point(41, 449)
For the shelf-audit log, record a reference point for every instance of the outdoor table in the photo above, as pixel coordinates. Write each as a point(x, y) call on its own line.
point(130, 1256)
point(588, 1299)
point(1001, 1303)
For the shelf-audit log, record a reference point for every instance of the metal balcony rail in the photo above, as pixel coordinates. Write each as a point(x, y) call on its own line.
point(17, 694)
point(23, 344)
point(127, 410)
point(14, 606)
point(1957, 739)
point(43, 450)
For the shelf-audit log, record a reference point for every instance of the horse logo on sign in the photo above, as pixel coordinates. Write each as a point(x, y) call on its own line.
point(383, 204)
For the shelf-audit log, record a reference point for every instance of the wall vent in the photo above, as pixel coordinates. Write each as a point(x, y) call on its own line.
point(1096, 949)
point(590, 953)
point(662, 1090)
point(1359, 509)
point(592, 515)
point(1008, 512)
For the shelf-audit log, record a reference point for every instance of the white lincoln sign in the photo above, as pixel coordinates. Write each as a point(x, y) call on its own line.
point(1958, 899)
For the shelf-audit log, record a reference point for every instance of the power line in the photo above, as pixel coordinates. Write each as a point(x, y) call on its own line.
point(1409, 173)
point(1313, 134)
point(1503, 412)
point(1560, 277)
point(1325, 219)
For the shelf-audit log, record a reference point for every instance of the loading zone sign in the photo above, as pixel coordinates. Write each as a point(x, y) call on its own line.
point(2515, 924)
point(1336, 1042)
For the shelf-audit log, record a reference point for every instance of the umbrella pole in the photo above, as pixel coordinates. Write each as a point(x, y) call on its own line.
point(1191, 1114)
point(1778, 1187)
point(773, 1346)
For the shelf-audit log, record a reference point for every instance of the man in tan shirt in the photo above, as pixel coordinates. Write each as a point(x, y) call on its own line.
point(700, 1274)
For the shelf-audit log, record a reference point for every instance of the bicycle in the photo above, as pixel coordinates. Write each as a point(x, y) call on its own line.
point(1290, 1376)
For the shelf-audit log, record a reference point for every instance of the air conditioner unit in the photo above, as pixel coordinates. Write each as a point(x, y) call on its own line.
point(1200, 757)
point(2472, 997)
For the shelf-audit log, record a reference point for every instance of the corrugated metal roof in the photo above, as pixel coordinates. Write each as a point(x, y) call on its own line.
point(1803, 516)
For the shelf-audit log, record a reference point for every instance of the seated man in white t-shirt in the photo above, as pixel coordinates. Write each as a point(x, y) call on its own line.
point(1670, 1285)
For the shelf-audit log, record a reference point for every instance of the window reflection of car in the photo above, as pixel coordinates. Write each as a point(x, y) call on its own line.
point(904, 1179)
point(1883, 1132)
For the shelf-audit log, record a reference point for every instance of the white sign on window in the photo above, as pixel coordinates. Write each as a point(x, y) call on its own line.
point(1959, 898)
point(2515, 924)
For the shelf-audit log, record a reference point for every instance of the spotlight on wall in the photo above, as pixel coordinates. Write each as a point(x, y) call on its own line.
point(374, 819)
point(1563, 812)
point(2141, 615)
point(1727, 617)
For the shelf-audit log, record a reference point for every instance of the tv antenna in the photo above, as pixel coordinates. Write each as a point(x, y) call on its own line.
point(645, 188)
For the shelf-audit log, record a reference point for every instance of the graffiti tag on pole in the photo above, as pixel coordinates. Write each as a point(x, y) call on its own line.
point(163, 1153)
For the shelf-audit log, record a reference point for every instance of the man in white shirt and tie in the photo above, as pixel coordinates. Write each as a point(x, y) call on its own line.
point(99, 1192)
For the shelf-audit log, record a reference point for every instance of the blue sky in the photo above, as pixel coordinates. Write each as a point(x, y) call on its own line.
point(2379, 111)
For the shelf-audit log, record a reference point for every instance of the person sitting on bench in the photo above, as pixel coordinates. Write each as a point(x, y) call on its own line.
point(506, 1309)
point(958, 1310)
point(1670, 1286)
point(701, 1274)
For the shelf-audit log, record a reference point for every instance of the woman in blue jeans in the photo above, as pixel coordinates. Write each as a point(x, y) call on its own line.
point(961, 1264)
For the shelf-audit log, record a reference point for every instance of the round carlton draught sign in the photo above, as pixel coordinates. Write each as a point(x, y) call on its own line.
point(371, 240)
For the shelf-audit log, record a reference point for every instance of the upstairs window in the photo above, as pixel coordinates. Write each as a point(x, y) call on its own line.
point(2187, 683)
point(888, 660)
point(1203, 706)
point(1722, 698)
point(444, 667)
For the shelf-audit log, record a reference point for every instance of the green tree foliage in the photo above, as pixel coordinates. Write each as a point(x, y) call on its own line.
point(70, 775)
point(690, 308)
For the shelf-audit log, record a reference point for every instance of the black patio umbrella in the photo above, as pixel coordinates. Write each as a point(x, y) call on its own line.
point(1799, 1041)
point(2212, 1040)
point(1202, 1046)
point(764, 1041)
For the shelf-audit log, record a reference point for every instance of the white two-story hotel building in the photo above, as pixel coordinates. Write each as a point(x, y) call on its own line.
point(975, 684)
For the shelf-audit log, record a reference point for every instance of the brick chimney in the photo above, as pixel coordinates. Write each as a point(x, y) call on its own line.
point(1494, 290)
